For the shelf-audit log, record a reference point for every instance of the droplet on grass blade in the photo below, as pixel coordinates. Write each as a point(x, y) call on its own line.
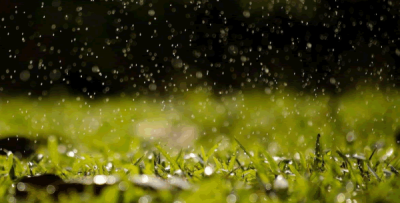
point(387, 173)
point(359, 157)
point(208, 171)
point(100, 179)
point(280, 183)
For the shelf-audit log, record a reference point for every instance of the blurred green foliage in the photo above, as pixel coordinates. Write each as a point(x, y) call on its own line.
point(275, 141)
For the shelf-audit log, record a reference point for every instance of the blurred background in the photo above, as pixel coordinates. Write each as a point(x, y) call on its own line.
point(98, 48)
point(271, 71)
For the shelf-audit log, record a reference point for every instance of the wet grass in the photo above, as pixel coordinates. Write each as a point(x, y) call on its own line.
point(247, 148)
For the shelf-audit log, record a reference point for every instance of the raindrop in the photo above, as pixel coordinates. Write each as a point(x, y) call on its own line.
point(177, 63)
point(398, 52)
point(231, 198)
point(153, 87)
point(243, 59)
point(332, 81)
point(25, 75)
point(246, 14)
point(21, 186)
point(56, 3)
point(199, 74)
point(151, 12)
point(281, 183)
point(208, 171)
point(50, 189)
point(70, 154)
point(100, 179)
point(340, 197)
point(253, 197)
point(55, 75)
point(267, 90)
point(349, 186)
point(233, 50)
point(95, 69)
point(350, 137)
point(109, 166)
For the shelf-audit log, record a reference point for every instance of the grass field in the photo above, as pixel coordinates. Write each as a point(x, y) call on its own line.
point(195, 147)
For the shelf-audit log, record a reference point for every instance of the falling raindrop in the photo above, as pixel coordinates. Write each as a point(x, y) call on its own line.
point(151, 12)
point(55, 75)
point(95, 69)
point(153, 87)
point(25, 75)
point(233, 50)
point(199, 74)
point(246, 14)
point(177, 63)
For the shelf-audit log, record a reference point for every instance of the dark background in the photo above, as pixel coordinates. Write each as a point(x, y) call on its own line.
point(112, 47)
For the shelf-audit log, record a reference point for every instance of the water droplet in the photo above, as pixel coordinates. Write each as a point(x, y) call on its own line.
point(95, 69)
point(280, 183)
point(70, 154)
point(50, 189)
point(55, 74)
point(332, 81)
point(243, 59)
point(234, 50)
point(350, 137)
point(21, 186)
point(231, 198)
point(153, 87)
point(151, 12)
point(25, 75)
point(208, 170)
point(177, 63)
point(199, 74)
point(340, 197)
point(246, 14)
point(100, 179)
point(398, 52)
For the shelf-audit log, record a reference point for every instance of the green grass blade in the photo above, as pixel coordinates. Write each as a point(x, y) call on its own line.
point(318, 153)
point(211, 152)
point(217, 163)
point(232, 162)
point(11, 166)
point(243, 148)
point(174, 164)
point(273, 165)
point(294, 170)
point(373, 172)
point(373, 152)
point(52, 145)
point(138, 160)
point(203, 154)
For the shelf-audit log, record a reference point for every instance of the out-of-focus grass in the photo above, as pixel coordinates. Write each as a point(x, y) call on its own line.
point(275, 140)
point(280, 121)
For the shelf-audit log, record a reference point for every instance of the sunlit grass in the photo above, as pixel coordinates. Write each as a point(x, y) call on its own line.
point(238, 148)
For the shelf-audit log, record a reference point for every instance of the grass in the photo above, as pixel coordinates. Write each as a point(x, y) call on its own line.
point(282, 147)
